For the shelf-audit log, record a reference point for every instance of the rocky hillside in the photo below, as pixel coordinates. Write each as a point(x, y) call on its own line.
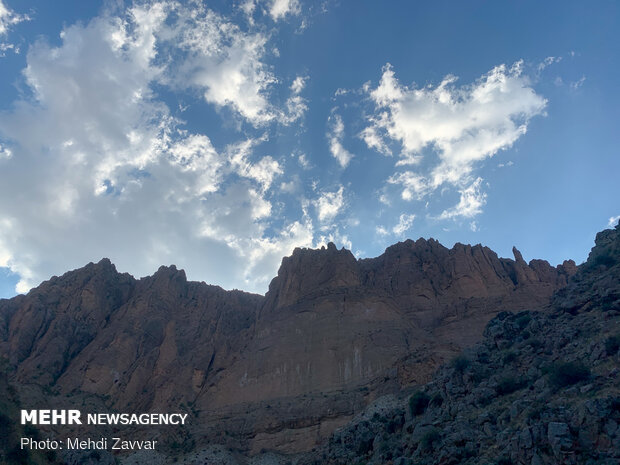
point(541, 388)
point(279, 372)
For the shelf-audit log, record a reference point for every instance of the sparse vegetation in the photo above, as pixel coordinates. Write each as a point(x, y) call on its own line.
point(418, 403)
point(604, 259)
point(430, 439)
point(523, 320)
point(612, 344)
point(460, 363)
point(534, 343)
point(508, 385)
point(436, 400)
point(568, 373)
point(504, 461)
point(509, 357)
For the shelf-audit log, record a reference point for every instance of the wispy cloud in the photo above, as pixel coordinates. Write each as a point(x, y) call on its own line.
point(471, 201)
point(578, 83)
point(8, 19)
point(335, 135)
point(405, 222)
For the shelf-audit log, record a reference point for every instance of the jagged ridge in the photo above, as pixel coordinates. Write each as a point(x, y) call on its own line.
point(331, 334)
point(541, 388)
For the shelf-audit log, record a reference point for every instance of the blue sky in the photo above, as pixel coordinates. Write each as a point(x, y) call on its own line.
point(219, 136)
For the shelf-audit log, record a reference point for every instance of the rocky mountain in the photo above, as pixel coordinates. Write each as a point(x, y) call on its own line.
point(277, 372)
point(541, 388)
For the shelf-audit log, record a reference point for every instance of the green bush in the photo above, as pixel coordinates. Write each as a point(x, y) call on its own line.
point(436, 400)
point(604, 259)
point(509, 358)
point(508, 385)
point(523, 320)
point(612, 344)
point(430, 439)
point(535, 343)
point(460, 363)
point(418, 403)
point(568, 373)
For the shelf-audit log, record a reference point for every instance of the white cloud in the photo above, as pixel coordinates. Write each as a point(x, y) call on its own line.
point(5, 152)
point(578, 83)
point(329, 205)
point(470, 204)
point(373, 140)
point(279, 9)
point(264, 171)
point(339, 239)
point(548, 62)
point(303, 161)
point(296, 105)
point(405, 222)
point(613, 221)
point(414, 186)
point(248, 7)
point(298, 84)
point(217, 58)
point(8, 19)
point(291, 186)
point(462, 126)
point(384, 199)
point(100, 162)
point(335, 135)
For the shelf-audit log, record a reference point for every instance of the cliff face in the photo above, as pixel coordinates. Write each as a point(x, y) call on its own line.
point(540, 388)
point(279, 371)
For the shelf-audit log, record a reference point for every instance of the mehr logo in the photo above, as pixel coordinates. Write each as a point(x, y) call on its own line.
point(51, 417)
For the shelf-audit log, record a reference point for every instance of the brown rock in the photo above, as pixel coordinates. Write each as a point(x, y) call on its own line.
point(279, 371)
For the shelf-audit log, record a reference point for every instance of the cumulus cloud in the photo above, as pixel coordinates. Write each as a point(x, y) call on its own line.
point(206, 51)
point(279, 9)
point(102, 167)
point(613, 221)
point(329, 205)
point(461, 126)
point(335, 135)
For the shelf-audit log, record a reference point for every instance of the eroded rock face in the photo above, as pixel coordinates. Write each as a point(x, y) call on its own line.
point(274, 372)
point(541, 387)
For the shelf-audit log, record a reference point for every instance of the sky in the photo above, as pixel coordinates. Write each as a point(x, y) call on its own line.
point(218, 136)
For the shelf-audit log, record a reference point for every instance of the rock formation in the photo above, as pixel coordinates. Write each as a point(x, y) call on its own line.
point(542, 388)
point(279, 372)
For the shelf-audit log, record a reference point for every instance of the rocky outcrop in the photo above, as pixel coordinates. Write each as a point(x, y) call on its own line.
point(278, 372)
point(541, 388)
